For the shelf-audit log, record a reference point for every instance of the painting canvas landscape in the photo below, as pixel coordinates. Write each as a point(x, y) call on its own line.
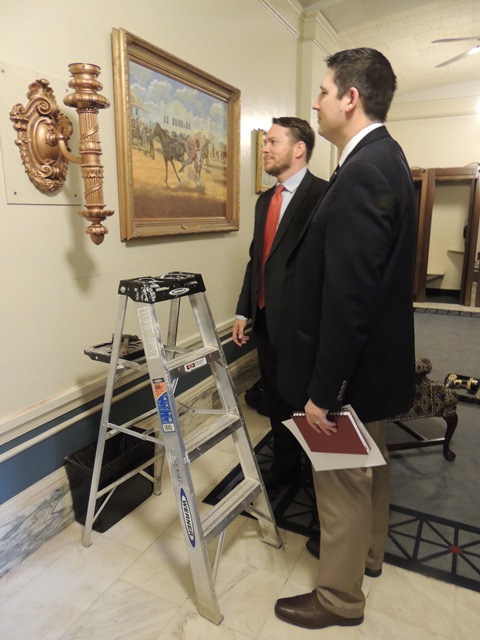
point(178, 140)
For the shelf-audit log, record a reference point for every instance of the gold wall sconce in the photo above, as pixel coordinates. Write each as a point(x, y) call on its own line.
point(43, 133)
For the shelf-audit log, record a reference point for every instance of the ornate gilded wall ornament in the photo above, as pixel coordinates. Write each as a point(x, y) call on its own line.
point(37, 125)
point(43, 133)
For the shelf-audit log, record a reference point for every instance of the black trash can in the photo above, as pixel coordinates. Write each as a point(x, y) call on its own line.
point(122, 454)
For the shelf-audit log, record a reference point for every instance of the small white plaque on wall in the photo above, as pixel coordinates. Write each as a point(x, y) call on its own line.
point(14, 83)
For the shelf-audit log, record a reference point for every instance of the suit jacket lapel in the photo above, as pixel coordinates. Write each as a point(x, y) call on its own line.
point(334, 175)
point(289, 217)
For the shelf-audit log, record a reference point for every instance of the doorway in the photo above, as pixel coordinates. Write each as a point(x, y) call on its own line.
point(446, 268)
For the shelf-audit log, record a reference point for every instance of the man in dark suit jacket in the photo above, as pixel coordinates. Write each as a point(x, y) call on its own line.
point(347, 334)
point(288, 147)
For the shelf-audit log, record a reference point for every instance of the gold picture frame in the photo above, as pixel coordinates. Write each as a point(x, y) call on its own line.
point(263, 181)
point(178, 143)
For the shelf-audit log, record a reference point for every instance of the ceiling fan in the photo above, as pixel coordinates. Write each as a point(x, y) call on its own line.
point(470, 52)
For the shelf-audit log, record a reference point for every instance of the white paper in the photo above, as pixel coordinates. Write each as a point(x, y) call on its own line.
point(329, 461)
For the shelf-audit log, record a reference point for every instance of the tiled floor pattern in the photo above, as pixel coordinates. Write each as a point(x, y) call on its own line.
point(134, 583)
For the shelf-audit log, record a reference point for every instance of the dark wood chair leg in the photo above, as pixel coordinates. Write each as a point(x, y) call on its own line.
point(419, 441)
point(451, 420)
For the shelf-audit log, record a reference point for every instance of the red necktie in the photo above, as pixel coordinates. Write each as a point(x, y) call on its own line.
point(271, 225)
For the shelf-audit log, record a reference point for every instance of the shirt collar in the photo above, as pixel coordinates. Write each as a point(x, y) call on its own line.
point(292, 183)
point(352, 143)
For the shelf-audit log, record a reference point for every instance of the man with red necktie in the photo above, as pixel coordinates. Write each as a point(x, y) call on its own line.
point(281, 215)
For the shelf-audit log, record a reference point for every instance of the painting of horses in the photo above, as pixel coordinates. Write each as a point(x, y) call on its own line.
point(177, 132)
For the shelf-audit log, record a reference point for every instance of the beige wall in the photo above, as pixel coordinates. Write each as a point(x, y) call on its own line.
point(439, 141)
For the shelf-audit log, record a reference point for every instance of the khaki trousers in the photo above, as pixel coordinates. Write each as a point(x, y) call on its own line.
point(353, 509)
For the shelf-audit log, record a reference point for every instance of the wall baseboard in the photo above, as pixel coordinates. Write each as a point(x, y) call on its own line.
point(33, 517)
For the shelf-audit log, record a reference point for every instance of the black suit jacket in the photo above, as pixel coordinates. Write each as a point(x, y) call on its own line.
point(293, 223)
point(347, 331)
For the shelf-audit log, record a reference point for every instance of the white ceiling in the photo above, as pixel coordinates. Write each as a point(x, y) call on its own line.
point(403, 30)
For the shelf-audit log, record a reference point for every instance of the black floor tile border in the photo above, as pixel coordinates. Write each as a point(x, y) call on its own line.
point(435, 547)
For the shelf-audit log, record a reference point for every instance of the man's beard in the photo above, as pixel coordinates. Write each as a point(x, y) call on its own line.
point(278, 169)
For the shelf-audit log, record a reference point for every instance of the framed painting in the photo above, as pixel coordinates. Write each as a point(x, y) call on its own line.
point(178, 143)
point(263, 181)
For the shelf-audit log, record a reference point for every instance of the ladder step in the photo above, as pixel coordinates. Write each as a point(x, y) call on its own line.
point(203, 439)
point(231, 506)
point(188, 362)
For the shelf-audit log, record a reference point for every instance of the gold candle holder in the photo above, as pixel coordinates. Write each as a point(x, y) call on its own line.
point(43, 133)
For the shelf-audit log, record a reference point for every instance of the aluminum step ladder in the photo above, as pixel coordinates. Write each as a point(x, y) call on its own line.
point(166, 363)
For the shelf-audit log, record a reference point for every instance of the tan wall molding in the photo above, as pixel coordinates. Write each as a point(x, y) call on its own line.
point(445, 107)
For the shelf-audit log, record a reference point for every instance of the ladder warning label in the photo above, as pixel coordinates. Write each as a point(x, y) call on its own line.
point(163, 404)
point(150, 345)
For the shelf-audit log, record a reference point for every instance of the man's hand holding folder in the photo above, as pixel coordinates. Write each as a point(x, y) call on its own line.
point(350, 446)
point(346, 439)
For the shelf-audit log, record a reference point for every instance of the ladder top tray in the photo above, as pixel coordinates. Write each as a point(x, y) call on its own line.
point(151, 289)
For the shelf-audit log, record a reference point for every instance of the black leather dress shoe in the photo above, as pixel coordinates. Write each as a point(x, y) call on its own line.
point(313, 546)
point(306, 611)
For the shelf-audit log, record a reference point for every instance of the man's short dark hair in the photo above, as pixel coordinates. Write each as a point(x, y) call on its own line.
point(370, 73)
point(299, 130)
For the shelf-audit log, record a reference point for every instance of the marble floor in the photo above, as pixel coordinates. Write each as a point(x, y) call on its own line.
point(134, 583)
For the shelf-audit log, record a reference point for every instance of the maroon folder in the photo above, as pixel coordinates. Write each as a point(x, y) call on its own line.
point(347, 439)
